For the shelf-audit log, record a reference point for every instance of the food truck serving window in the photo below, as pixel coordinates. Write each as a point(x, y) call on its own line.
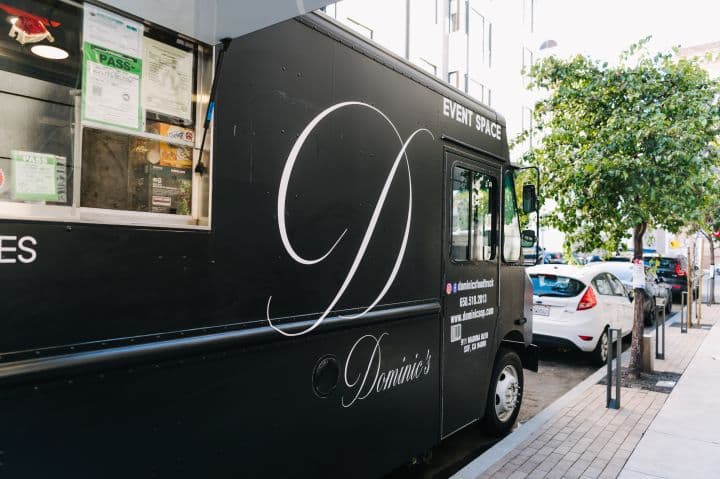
point(102, 116)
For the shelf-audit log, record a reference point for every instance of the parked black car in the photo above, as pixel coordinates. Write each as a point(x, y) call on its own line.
point(672, 273)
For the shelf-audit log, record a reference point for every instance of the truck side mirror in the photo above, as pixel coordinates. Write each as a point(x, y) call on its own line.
point(529, 201)
point(527, 238)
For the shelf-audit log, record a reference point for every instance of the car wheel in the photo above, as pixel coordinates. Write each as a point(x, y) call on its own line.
point(600, 354)
point(668, 306)
point(505, 394)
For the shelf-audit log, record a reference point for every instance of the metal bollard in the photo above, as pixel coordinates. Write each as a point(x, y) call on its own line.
point(610, 402)
point(683, 323)
point(658, 325)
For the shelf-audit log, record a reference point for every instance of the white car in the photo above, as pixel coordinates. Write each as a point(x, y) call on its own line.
point(574, 305)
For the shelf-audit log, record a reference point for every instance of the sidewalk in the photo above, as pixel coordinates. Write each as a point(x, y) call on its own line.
point(684, 439)
point(583, 439)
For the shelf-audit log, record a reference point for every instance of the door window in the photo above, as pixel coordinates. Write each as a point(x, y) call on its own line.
point(511, 226)
point(472, 235)
point(602, 285)
point(616, 285)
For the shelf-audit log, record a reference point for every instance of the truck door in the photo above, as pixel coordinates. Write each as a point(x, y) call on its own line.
point(470, 269)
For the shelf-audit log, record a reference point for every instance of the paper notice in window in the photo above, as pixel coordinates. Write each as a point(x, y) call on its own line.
point(112, 31)
point(167, 79)
point(35, 176)
point(111, 88)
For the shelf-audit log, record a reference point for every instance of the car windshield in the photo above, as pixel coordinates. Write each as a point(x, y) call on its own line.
point(624, 275)
point(554, 285)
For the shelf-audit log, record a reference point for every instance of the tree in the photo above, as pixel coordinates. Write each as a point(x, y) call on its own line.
point(709, 226)
point(623, 148)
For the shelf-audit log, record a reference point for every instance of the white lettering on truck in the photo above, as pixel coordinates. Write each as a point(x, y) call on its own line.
point(13, 250)
point(465, 116)
point(401, 157)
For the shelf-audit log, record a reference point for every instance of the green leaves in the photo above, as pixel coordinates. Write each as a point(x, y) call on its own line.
point(625, 145)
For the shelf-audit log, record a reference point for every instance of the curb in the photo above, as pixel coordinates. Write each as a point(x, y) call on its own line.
point(487, 459)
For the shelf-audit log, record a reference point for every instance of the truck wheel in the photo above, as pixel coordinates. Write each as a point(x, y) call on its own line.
point(505, 395)
point(600, 354)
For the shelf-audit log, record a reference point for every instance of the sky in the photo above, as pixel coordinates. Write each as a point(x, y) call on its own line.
point(604, 28)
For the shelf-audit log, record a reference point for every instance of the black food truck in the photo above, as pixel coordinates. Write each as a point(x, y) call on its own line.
point(325, 280)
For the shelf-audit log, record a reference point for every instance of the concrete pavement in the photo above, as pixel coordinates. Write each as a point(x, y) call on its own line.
point(683, 441)
point(579, 438)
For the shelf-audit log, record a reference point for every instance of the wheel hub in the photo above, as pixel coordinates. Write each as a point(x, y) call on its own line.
point(507, 393)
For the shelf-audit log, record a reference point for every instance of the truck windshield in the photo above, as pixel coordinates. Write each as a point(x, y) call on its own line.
point(554, 285)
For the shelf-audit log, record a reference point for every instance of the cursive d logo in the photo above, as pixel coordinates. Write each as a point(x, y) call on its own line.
point(282, 196)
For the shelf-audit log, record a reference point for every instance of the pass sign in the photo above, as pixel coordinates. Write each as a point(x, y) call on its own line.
point(111, 87)
point(112, 70)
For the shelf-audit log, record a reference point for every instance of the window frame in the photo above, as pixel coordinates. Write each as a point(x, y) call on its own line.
point(361, 28)
point(454, 25)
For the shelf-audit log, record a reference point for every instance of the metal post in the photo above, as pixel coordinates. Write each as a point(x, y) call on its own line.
point(610, 402)
point(689, 276)
point(683, 323)
point(700, 282)
point(659, 308)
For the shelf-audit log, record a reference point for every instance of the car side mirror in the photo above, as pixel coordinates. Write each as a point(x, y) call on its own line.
point(529, 203)
point(528, 238)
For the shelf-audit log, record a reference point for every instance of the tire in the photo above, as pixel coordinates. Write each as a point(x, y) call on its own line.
point(505, 393)
point(668, 306)
point(600, 354)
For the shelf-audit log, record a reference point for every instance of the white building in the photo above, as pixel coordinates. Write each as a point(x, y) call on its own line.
point(478, 46)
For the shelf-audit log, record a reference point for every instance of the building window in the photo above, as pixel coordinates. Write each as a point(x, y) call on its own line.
point(427, 66)
point(480, 37)
point(529, 15)
point(488, 45)
point(454, 78)
point(527, 125)
point(360, 28)
point(479, 91)
point(527, 60)
point(454, 15)
point(476, 33)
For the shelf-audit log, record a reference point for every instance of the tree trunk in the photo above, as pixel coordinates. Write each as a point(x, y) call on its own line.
point(635, 365)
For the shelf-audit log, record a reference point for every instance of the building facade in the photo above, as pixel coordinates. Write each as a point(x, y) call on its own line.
point(481, 47)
